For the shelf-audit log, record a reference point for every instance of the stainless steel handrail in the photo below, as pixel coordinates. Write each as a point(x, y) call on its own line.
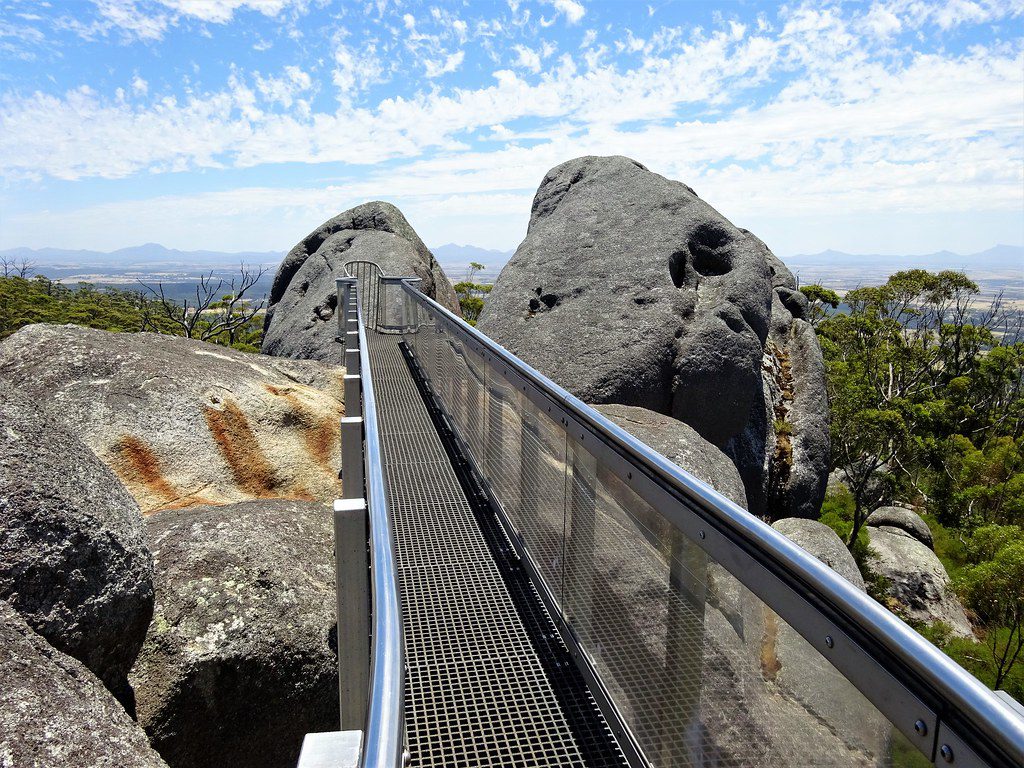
point(383, 737)
point(962, 705)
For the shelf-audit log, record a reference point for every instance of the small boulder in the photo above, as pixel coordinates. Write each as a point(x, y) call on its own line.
point(822, 542)
point(301, 321)
point(918, 583)
point(54, 713)
point(73, 560)
point(680, 443)
point(240, 661)
point(898, 519)
point(182, 422)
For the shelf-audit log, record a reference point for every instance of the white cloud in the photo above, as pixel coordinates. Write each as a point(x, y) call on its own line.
point(355, 70)
point(571, 9)
point(881, 22)
point(452, 62)
point(222, 11)
point(139, 86)
point(136, 21)
point(527, 59)
point(283, 90)
point(125, 15)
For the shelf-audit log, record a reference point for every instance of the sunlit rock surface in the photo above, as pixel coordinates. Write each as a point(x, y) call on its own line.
point(182, 422)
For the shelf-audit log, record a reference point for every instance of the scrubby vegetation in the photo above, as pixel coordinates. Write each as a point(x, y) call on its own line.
point(471, 295)
point(27, 300)
point(926, 384)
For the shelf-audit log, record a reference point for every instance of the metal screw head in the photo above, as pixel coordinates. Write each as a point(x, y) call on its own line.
point(702, 534)
point(947, 753)
point(921, 728)
point(829, 641)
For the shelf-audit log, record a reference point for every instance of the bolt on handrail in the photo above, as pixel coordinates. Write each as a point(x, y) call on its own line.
point(383, 742)
point(949, 715)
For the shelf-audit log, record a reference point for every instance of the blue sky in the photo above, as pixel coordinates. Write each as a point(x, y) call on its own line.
point(894, 126)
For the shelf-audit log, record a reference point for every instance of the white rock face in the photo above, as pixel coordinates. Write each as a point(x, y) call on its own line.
point(184, 423)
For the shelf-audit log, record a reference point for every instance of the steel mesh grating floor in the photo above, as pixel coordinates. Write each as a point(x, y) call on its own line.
point(479, 646)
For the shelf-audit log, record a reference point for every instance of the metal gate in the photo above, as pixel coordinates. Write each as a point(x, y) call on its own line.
point(368, 273)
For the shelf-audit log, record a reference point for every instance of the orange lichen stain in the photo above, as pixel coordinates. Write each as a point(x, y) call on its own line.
point(137, 465)
point(322, 434)
point(237, 444)
point(770, 664)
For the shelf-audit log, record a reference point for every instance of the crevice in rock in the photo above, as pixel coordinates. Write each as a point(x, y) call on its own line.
point(780, 467)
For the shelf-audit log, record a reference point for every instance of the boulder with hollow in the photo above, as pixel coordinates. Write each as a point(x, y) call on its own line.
point(629, 289)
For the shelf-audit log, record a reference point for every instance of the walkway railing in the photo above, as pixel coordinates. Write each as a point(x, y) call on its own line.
point(707, 636)
point(371, 679)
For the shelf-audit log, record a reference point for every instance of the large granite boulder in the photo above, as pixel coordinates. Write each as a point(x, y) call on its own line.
point(902, 520)
point(182, 422)
point(918, 586)
point(680, 443)
point(73, 561)
point(240, 661)
point(301, 320)
point(629, 289)
point(54, 713)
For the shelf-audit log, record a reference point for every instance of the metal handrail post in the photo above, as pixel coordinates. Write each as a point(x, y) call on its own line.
point(345, 287)
point(352, 582)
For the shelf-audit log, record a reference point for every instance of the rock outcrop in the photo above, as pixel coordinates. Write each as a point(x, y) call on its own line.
point(918, 585)
point(680, 443)
point(182, 422)
point(822, 542)
point(900, 519)
point(629, 289)
point(240, 661)
point(54, 713)
point(300, 319)
point(73, 561)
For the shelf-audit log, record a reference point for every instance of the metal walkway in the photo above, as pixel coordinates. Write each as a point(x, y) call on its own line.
point(478, 686)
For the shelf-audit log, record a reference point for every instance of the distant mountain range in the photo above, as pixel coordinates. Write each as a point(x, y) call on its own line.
point(456, 260)
point(1001, 263)
point(148, 256)
point(1001, 258)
